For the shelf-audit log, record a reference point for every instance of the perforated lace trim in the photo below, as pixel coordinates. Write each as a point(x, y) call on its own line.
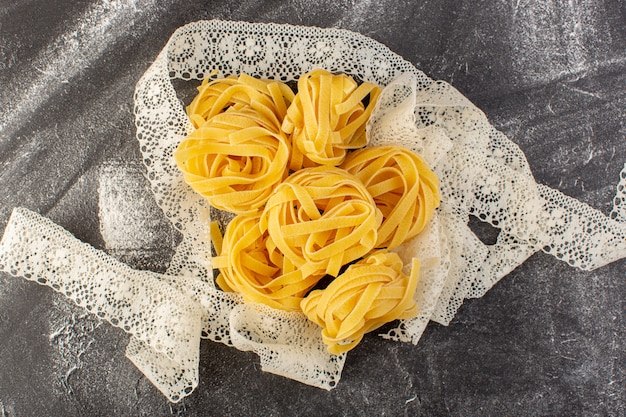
point(484, 174)
point(164, 322)
point(164, 315)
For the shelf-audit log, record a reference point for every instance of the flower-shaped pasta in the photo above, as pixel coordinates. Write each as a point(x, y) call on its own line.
point(403, 187)
point(327, 117)
point(321, 219)
point(235, 160)
point(370, 293)
point(268, 97)
point(257, 271)
point(237, 154)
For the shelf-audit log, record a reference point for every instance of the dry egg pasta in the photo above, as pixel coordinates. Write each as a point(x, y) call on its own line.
point(403, 187)
point(258, 272)
point(370, 293)
point(321, 219)
point(268, 97)
point(293, 230)
point(327, 117)
point(235, 160)
point(237, 154)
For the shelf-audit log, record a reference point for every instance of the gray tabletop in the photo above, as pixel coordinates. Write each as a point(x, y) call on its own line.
point(546, 340)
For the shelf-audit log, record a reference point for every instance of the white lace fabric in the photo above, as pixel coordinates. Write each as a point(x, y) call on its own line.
point(482, 174)
point(164, 322)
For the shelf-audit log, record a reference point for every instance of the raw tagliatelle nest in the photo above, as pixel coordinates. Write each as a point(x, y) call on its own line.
point(481, 173)
point(299, 224)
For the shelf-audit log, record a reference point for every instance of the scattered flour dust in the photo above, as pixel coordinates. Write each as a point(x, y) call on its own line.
point(356, 13)
point(71, 335)
point(539, 26)
point(132, 226)
point(88, 36)
point(6, 409)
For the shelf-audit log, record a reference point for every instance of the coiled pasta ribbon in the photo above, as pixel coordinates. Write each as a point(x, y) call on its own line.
point(234, 160)
point(370, 293)
point(268, 97)
point(403, 187)
point(321, 219)
point(327, 117)
point(292, 231)
point(238, 154)
point(256, 270)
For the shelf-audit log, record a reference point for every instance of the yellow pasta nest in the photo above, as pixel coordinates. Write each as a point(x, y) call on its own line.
point(237, 155)
point(327, 117)
point(291, 231)
point(321, 219)
point(367, 295)
point(255, 269)
point(403, 187)
point(269, 98)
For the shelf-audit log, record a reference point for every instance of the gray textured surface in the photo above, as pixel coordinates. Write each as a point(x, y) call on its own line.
point(547, 340)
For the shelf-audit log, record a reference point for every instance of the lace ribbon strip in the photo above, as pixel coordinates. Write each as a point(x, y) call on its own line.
point(482, 174)
point(164, 315)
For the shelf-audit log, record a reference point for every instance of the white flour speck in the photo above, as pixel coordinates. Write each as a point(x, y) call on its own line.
point(71, 335)
point(538, 26)
point(131, 223)
point(86, 39)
